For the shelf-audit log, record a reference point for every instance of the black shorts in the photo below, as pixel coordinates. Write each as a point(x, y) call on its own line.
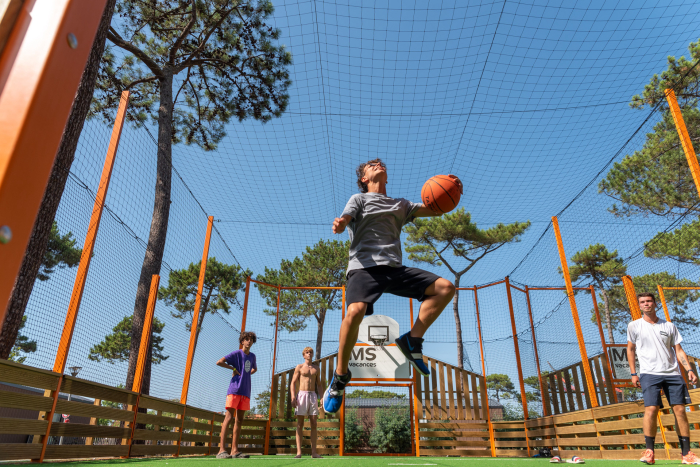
point(673, 387)
point(368, 284)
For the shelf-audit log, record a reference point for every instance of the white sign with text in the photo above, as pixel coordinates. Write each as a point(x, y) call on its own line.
point(382, 362)
point(620, 364)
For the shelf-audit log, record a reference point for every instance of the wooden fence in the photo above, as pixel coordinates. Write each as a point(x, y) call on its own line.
point(162, 427)
point(565, 389)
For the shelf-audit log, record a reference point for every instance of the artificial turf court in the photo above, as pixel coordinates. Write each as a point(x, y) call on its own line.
point(335, 461)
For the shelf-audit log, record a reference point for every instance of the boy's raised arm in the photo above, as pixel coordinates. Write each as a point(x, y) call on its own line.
point(222, 363)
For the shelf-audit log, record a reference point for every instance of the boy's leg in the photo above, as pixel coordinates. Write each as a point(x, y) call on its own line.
point(237, 431)
point(439, 293)
point(224, 429)
point(314, 435)
point(349, 330)
point(435, 298)
point(300, 433)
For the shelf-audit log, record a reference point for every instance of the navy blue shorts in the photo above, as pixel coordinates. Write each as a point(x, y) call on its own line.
point(367, 285)
point(673, 387)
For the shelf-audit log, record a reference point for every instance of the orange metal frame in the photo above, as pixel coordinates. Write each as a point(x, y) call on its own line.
point(684, 137)
point(195, 313)
point(523, 395)
point(143, 352)
point(631, 297)
point(39, 76)
point(274, 361)
point(483, 371)
point(600, 331)
point(574, 314)
point(545, 409)
point(89, 245)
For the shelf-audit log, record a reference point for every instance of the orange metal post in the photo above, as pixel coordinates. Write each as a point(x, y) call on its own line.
point(245, 307)
point(517, 349)
point(574, 314)
point(89, 245)
point(143, 351)
point(483, 371)
point(40, 69)
point(416, 401)
point(49, 418)
point(684, 137)
point(662, 297)
point(194, 328)
point(274, 361)
point(517, 360)
point(600, 330)
point(341, 420)
point(545, 409)
point(631, 297)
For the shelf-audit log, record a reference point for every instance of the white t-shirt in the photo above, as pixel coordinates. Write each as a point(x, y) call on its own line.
point(655, 343)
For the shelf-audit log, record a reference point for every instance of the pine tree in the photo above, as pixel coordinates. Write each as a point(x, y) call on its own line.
point(222, 282)
point(23, 345)
point(322, 265)
point(116, 346)
point(431, 239)
point(605, 269)
point(61, 252)
point(191, 66)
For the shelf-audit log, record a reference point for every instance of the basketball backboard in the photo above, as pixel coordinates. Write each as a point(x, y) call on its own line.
point(383, 362)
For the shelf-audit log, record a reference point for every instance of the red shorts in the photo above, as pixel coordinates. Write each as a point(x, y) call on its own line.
point(234, 401)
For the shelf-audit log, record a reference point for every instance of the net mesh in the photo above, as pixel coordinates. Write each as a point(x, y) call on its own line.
point(527, 102)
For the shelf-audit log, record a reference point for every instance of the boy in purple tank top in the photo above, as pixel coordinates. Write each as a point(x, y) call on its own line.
point(243, 364)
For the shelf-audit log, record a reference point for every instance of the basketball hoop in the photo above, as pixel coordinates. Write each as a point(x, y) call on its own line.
point(378, 340)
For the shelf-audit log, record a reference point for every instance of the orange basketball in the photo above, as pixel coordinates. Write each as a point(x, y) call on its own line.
point(441, 193)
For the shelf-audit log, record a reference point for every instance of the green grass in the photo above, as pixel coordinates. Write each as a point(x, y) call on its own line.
point(348, 461)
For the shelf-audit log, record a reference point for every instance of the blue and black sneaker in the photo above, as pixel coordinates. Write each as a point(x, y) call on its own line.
point(412, 348)
point(333, 397)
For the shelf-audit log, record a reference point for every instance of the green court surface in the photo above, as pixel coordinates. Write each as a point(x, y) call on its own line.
point(349, 461)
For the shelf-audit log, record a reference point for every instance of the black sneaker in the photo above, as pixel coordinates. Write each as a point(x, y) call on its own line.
point(412, 348)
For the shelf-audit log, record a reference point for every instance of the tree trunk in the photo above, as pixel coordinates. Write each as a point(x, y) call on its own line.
point(458, 325)
point(41, 231)
point(319, 333)
point(159, 227)
point(606, 305)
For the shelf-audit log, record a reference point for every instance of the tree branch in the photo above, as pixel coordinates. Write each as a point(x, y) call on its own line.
point(140, 81)
point(184, 33)
point(114, 37)
point(203, 43)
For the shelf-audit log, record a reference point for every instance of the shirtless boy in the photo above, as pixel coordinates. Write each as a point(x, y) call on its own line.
point(306, 402)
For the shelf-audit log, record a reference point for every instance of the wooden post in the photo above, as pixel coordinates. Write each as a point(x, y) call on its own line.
point(41, 63)
point(245, 308)
point(89, 245)
point(545, 408)
point(93, 421)
point(273, 390)
point(211, 435)
point(590, 385)
point(483, 370)
point(684, 137)
point(631, 295)
point(194, 328)
point(146, 333)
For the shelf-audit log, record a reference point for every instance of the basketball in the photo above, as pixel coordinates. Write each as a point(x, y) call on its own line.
point(441, 193)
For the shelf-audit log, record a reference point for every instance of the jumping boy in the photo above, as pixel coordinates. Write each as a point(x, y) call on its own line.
point(375, 221)
point(242, 363)
point(306, 402)
point(657, 343)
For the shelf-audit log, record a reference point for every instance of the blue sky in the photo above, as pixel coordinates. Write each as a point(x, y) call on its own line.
point(525, 101)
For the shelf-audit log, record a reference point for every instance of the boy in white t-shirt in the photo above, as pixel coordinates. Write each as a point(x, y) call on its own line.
point(657, 344)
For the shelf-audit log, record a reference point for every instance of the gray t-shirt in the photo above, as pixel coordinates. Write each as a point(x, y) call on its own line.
point(375, 229)
point(655, 343)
